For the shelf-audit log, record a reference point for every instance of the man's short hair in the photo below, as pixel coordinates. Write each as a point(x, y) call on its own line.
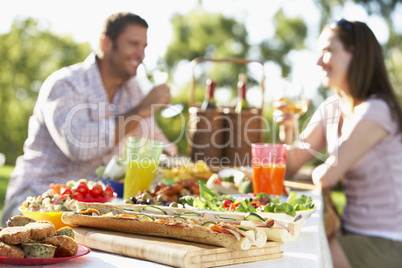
point(116, 23)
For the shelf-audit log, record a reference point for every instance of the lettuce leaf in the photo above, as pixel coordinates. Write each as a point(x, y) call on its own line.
point(302, 203)
point(285, 208)
point(206, 193)
point(270, 207)
point(245, 206)
point(198, 203)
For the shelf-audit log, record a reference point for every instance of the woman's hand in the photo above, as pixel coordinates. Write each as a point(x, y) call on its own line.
point(283, 119)
point(318, 174)
point(286, 122)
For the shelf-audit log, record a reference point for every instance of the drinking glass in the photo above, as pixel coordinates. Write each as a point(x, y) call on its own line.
point(142, 156)
point(160, 75)
point(269, 166)
point(293, 100)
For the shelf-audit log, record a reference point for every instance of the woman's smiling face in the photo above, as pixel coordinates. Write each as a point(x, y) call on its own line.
point(334, 60)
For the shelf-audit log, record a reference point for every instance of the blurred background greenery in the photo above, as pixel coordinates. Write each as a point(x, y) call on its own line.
point(30, 52)
point(5, 172)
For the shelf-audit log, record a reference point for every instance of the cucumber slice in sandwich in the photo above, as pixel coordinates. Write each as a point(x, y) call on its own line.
point(191, 214)
point(145, 216)
point(179, 219)
point(154, 209)
point(208, 223)
point(252, 216)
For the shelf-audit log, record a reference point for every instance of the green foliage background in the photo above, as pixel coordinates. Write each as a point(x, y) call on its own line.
point(5, 172)
point(29, 54)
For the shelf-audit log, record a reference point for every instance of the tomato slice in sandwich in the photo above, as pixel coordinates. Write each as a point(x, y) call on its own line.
point(90, 211)
point(217, 228)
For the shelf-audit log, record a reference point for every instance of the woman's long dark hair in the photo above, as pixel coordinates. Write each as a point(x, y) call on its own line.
point(367, 71)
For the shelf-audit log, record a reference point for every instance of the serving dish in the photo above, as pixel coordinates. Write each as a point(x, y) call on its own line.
point(82, 251)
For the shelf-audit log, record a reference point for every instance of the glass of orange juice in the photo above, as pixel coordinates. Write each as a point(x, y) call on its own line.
point(269, 166)
point(142, 156)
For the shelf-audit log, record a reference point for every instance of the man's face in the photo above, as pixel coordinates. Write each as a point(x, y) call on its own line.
point(129, 51)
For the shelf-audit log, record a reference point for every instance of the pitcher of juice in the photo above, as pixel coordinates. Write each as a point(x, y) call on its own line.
point(269, 166)
point(142, 156)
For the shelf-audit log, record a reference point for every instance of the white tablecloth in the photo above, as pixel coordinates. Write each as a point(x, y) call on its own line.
point(310, 249)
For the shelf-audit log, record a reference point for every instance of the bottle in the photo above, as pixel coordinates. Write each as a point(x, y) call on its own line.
point(209, 100)
point(241, 92)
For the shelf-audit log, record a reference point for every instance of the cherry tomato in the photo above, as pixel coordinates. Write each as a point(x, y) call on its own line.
point(78, 195)
point(96, 190)
point(66, 191)
point(82, 187)
point(227, 203)
point(108, 191)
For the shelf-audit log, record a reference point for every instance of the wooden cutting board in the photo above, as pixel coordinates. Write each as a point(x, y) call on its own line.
point(172, 252)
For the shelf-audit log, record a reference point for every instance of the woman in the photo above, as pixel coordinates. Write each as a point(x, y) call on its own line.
point(360, 127)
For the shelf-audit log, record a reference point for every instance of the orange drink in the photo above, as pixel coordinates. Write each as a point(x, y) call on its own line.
point(269, 166)
point(268, 179)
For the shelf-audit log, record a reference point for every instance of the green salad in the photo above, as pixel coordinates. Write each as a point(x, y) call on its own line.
point(261, 202)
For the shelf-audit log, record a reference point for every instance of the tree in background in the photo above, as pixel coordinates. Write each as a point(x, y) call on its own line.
point(290, 34)
point(210, 35)
point(29, 54)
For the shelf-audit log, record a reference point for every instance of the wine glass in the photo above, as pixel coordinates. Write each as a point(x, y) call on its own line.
point(160, 75)
point(292, 100)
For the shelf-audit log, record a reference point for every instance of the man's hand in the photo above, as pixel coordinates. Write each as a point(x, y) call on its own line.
point(171, 150)
point(157, 98)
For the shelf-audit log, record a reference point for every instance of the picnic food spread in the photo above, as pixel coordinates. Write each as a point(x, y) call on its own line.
point(182, 208)
point(207, 232)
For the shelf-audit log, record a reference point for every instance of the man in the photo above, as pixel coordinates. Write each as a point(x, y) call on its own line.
point(85, 111)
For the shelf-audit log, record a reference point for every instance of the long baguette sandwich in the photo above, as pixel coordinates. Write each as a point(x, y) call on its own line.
point(274, 229)
point(219, 234)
